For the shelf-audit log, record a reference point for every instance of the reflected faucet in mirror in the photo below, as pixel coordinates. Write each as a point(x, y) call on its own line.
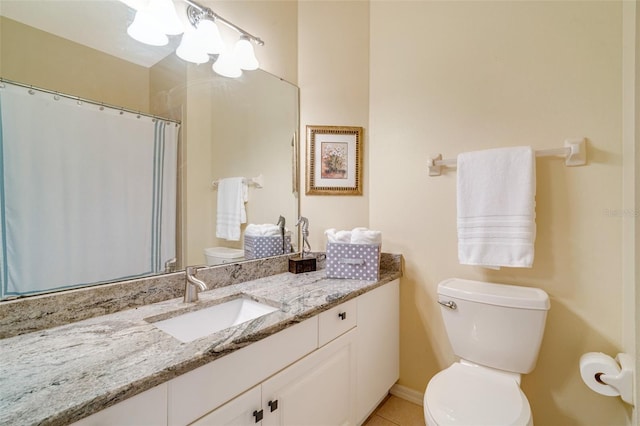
point(192, 284)
point(170, 265)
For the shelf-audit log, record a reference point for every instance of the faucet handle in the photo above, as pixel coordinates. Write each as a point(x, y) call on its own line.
point(192, 284)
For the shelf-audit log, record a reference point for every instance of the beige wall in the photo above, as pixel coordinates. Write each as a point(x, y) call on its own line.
point(633, 284)
point(31, 56)
point(631, 186)
point(476, 75)
point(333, 49)
point(448, 77)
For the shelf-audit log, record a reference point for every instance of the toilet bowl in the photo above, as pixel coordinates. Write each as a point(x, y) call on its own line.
point(468, 395)
point(496, 331)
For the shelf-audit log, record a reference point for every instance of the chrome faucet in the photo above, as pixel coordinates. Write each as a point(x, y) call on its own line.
point(192, 284)
point(170, 265)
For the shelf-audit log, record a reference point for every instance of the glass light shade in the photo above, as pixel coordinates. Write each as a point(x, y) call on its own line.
point(145, 29)
point(190, 49)
point(226, 66)
point(244, 55)
point(209, 35)
point(165, 13)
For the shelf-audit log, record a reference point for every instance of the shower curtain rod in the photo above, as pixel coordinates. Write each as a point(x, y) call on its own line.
point(83, 100)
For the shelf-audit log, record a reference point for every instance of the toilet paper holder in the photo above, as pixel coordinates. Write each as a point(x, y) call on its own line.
point(622, 382)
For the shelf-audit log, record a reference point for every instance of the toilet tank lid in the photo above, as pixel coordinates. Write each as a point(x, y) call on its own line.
point(224, 252)
point(495, 294)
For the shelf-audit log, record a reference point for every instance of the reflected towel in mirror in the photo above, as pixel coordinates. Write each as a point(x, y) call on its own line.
point(232, 194)
point(262, 230)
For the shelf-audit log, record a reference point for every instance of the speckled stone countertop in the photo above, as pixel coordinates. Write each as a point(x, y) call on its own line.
point(62, 374)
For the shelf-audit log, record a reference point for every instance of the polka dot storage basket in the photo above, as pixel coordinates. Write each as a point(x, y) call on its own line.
point(353, 261)
point(256, 247)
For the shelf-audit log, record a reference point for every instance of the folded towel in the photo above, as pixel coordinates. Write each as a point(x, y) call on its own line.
point(334, 236)
point(232, 194)
point(264, 230)
point(355, 236)
point(366, 236)
point(496, 207)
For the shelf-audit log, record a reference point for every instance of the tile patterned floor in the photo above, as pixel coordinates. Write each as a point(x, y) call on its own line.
point(395, 411)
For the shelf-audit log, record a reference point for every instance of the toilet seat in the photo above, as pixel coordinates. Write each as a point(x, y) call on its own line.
point(472, 395)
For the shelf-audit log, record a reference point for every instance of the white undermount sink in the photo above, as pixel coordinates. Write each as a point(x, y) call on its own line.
point(195, 324)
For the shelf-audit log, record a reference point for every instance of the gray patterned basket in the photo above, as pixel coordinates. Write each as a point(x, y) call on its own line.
point(256, 247)
point(353, 261)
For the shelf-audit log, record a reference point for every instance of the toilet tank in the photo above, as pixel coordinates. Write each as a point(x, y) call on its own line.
point(495, 325)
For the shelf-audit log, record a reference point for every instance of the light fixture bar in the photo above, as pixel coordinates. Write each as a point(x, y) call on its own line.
point(194, 10)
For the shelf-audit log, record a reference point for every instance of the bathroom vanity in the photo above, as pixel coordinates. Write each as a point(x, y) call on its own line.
point(327, 355)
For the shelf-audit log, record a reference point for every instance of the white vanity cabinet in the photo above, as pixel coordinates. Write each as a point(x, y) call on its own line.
point(146, 408)
point(244, 410)
point(340, 383)
point(332, 369)
point(198, 392)
point(378, 362)
point(318, 390)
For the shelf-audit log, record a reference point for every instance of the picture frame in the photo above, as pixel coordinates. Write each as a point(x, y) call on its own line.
point(334, 160)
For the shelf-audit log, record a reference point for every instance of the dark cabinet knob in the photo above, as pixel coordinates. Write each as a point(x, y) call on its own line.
point(273, 405)
point(342, 315)
point(258, 415)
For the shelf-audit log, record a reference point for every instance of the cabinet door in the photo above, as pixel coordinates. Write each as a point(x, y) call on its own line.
point(242, 411)
point(198, 392)
point(317, 390)
point(378, 346)
point(146, 408)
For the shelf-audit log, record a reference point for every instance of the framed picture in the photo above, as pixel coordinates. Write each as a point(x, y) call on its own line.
point(334, 160)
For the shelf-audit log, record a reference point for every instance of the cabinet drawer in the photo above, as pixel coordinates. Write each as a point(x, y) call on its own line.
point(336, 321)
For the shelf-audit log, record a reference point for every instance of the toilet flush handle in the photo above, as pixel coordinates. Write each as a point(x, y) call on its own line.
point(450, 304)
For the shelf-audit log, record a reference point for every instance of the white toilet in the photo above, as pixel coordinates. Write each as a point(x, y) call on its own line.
point(496, 330)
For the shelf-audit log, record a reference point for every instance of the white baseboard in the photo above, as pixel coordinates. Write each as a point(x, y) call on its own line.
point(407, 394)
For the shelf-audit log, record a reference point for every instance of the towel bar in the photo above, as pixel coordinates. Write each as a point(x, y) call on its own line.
point(574, 152)
point(257, 182)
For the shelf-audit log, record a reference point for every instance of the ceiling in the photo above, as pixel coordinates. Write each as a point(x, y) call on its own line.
point(99, 24)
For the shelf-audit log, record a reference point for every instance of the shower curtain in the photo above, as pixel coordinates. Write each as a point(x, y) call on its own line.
point(87, 194)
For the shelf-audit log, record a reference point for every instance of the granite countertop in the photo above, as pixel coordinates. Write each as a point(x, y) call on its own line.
point(62, 374)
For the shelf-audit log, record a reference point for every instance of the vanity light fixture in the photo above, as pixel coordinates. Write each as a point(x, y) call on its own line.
point(200, 40)
point(244, 54)
point(146, 29)
point(153, 22)
point(226, 65)
point(190, 50)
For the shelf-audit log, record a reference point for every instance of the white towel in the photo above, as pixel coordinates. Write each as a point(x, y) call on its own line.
point(334, 236)
point(365, 236)
point(263, 230)
point(232, 194)
point(496, 207)
point(355, 236)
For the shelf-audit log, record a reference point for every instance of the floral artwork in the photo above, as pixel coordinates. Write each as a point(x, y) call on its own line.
point(334, 160)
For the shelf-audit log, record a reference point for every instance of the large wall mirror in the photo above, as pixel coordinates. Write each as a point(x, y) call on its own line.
point(244, 127)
